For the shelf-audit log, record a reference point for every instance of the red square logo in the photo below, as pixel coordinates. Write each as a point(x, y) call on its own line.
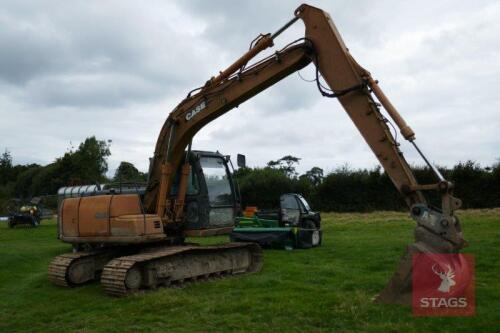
point(443, 284)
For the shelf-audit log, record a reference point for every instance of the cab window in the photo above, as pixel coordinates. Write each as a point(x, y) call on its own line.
point(218, 185)
point(289, 202)
point(193, 186)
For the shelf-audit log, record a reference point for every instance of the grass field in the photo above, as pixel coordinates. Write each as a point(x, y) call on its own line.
point(320, 290)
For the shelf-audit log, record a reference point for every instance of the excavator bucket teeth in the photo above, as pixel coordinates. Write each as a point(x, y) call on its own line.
point(435, 234)
point(399, 288)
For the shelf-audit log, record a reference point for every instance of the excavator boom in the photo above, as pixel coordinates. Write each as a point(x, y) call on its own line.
point(209, 103)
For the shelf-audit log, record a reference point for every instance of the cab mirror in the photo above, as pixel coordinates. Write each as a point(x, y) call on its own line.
point(241, 161)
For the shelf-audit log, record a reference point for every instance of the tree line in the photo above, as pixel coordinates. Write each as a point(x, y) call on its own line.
point(86, 164)
point(360, 190)
point(344, 189)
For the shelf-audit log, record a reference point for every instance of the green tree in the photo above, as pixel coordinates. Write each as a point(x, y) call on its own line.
point(127, 172)
point(24, 183)
point(86, 165)
point(262, 187)
point(5, 167)
point(90, 160)
point(286, 164)
point(473, 184)
point(315, 175)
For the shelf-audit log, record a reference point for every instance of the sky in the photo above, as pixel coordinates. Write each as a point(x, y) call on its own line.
point(115, 69)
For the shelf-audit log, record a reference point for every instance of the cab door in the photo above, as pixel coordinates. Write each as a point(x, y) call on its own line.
point(220, 192)
point(290, 209)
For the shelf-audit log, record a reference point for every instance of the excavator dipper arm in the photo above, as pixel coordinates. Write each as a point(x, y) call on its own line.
point(437, 231)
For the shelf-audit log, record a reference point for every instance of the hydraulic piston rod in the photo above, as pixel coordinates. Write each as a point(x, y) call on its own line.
point(263, 43)
point(433, 168)
point(404, 128)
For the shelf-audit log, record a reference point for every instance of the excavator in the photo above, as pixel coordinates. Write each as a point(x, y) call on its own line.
point(136, 242)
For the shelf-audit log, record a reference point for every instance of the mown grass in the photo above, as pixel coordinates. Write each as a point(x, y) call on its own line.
point(320, 290)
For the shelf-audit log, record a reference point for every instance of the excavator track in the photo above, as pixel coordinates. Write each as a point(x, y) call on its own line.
point(175, 265)
point(75, 268)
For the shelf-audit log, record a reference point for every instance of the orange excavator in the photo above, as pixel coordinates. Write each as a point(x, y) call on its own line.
point(136, 242)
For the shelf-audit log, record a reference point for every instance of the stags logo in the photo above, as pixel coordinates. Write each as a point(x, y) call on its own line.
point(443, 284)
point(446, 278)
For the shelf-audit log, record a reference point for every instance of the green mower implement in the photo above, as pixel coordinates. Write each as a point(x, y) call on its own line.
point(293, 225)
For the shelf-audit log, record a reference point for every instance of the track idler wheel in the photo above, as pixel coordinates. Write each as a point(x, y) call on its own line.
point(80, 272)
point(133, 279)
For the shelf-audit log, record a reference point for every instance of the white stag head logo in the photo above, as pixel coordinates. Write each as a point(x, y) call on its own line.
point(447, 278)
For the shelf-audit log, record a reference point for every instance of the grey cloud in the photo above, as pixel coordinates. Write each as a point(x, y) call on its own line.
point(238, 22)
point(28, 51)
point(86, 54)
point(290, 95)
point(100, 89)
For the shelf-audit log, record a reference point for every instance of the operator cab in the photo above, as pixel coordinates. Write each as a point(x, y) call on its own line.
point(212, 202)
